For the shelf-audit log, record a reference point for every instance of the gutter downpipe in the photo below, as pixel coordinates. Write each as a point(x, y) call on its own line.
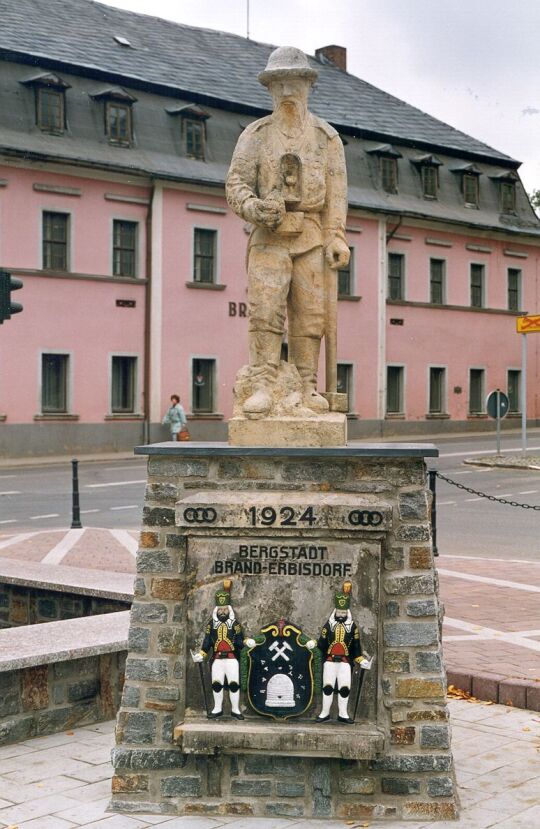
point(148, 317)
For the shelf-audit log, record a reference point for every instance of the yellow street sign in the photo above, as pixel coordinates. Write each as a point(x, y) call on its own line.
point(528, 325)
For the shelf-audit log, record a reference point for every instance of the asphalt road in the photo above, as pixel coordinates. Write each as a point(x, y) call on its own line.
point(34, 497)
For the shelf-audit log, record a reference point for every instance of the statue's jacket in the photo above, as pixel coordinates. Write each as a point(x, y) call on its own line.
point(255, 173)
point(339, 641)
point(224, 639)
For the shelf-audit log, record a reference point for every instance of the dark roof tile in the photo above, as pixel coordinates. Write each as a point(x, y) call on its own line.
point(207, 63)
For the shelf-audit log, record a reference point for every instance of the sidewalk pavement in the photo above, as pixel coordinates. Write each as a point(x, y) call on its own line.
point(63, 780)
point(491, 633)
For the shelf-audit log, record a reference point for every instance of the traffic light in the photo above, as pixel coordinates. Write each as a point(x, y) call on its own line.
point(8, 284)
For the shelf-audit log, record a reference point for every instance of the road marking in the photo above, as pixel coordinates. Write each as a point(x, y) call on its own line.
point(87, 511)
point(11, 492)
point(529, 632)
point(58, 553)
point(3, 477)
point(482, 558)
point(131, 506)
point(115, 483)
point(515, 638)
point(126, 540)
point(15, 539)
point(515, 585)
point(444, 503)
point(528, 492)
point(9, 521)
point(505, 495)
point(473, 499)
point(472, 452)
point(463, 472)
point(50, 515)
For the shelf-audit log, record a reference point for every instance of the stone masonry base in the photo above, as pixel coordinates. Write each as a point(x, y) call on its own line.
point(412, 776)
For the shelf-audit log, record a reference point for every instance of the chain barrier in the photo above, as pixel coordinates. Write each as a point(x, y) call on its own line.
point(484, 495)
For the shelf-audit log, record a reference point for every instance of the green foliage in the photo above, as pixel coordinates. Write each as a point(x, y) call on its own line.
point(534, 197)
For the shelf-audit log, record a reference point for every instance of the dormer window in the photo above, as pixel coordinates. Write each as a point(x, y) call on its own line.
point(118, 113)
point(470, 190)
point(507, 190)
point(49, 91)
point(388, 168)
point(192, 129)
point(470, 183)
point(508, 196)
point(428, 167)
point(118, 122)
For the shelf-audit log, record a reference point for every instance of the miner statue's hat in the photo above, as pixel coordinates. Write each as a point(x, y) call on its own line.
point(223, 595)
point(342, 598)
point(287, 62)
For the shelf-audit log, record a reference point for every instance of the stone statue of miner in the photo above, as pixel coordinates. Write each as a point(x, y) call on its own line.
point(288, 178)
point(224, 638)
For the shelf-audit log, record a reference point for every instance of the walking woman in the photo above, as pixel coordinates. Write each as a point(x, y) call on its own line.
point(176, 418)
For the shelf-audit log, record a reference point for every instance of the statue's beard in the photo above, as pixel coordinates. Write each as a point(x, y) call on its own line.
point(290, 112)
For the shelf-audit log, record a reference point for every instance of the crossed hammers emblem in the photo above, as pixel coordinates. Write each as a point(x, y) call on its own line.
point(280, 650)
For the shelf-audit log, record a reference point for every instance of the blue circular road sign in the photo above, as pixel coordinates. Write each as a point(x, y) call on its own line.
point(497, 400)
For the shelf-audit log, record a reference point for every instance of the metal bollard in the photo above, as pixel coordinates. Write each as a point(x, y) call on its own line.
point(76, 509)
point(432, 485)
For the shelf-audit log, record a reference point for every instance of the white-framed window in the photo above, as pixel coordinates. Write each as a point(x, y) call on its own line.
point(437, 390)
point(395, 389)
point(477, 390)
point(124, 251)
point(345, 383)
point(124, 384)
point(55, 240)
point(437, 281)
point(203, 383)
point(205, 251)
point(55, 372)
point(346, 277)
point(478, 284)
point(514, 289)
point(396, 276)
point(514, 390)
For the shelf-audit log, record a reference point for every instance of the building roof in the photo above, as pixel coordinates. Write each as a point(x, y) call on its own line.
point(208, 66)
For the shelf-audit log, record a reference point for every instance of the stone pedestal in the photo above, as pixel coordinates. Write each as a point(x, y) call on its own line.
point(326, 430)
point(215, 511)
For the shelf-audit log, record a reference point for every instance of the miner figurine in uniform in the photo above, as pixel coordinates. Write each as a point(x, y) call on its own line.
point(288, 179)
point(225, 639)
point(339, 644)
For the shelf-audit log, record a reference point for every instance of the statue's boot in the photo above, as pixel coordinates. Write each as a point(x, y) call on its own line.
point(264, 354)
point(304, 353)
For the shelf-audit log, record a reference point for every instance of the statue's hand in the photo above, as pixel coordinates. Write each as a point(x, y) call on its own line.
point(337, 254)
point(249, 643)
point(311, 644)
point(198, 657)
point(265, 213)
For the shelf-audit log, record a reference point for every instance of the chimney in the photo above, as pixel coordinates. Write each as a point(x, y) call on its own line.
point(337, 55)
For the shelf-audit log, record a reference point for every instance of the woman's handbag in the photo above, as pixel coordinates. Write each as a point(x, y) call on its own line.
point(183, 434)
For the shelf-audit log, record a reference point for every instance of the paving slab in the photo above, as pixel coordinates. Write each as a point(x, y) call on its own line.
point(496, 757)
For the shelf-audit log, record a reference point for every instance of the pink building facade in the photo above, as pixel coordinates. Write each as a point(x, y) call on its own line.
point(112, 212)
